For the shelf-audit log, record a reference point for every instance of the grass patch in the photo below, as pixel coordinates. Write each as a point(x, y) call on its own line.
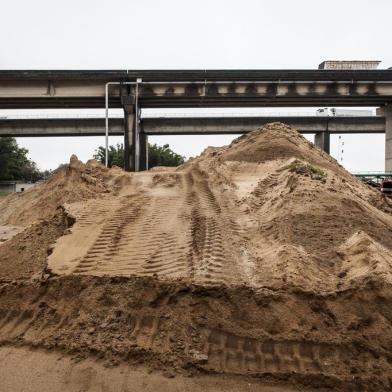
point(4, 194)
point(305, 168)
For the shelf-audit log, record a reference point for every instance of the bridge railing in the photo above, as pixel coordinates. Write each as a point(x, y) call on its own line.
point(175, 115)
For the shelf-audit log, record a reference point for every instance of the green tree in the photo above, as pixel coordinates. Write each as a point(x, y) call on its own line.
point(115, 155)
point(163, 156)
point(157, 156)
point(14, 163)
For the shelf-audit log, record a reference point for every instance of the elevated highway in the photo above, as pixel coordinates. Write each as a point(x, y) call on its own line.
point(136, 89)
point(95, 126)
point(195, 88)
point(241, 125)
point(321, 126)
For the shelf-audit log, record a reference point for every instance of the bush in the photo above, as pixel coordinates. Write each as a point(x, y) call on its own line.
point(305, 168)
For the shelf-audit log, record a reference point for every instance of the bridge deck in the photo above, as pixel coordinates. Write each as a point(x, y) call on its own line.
point(196, 88)
point(186, 125)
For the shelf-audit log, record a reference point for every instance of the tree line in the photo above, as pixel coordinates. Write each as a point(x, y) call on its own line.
point(157, 156)
point(16, 166)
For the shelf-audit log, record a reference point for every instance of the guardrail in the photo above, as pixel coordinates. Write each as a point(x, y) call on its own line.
point(178, 115)
point(372, 174)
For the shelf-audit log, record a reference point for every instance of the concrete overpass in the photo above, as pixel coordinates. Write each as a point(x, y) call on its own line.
point(321, 126)
point(133, 90)
point(195, 88)
point(211, 125)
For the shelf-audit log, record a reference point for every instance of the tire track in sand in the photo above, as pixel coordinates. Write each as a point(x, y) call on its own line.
point(230, 353)
point(106, 247)
point(211, 232)
point(145, 232)
point(172, 229)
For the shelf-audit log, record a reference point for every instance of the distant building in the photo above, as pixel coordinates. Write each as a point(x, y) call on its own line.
point(350, 65)
point(7, 186)
point(15, 186)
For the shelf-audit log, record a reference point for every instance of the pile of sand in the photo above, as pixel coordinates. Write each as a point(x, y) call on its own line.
point(264, 258)
point(71, 183)
point(297, 206)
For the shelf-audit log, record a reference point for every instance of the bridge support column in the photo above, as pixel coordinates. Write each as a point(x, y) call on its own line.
point(129, 138)
point(129, 100)
point(388, 138)
point(322, 140)
point(131, 132)
point(143, 163)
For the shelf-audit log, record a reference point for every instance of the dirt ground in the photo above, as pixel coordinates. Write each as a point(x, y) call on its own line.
point(263, 260)
point(60, 373)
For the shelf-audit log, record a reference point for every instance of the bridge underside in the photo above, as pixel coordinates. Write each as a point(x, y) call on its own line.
point(182, 88)
point(186, 125)
point(133, 90)
point(322, 127)
point(229, 94)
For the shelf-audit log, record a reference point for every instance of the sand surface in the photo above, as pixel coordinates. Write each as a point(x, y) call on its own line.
point(48, 372)
point(9, 231)
point(264, 260)
point(169, 225)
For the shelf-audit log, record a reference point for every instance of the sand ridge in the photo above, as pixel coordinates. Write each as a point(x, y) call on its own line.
point(269, 223)
point(264, 258)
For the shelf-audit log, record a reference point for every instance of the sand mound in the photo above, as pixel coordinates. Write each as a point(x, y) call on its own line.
point(74, 182)
point(364, 259)
point(262, 258)
point(24, 256)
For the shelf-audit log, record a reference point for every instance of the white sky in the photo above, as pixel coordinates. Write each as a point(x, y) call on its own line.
point(189, 34)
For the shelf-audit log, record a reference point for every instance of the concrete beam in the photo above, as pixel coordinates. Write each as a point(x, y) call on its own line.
point(28, 127)
point(195, 75)
point(186, 125)
point(241, 125)
point(182, 88)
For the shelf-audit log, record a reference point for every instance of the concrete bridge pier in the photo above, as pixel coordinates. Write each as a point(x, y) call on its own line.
point(322, 140)
point(135, 141)
point(143, 157)
point(131, 130)
point(129, 138)
point(388, 138)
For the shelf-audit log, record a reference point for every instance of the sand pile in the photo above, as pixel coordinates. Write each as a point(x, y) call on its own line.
point(33, 220)
point(295, 203)
point(263, 258)
point(74, 182)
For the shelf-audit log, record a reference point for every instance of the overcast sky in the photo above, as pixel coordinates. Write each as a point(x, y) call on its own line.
point(189, 34)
